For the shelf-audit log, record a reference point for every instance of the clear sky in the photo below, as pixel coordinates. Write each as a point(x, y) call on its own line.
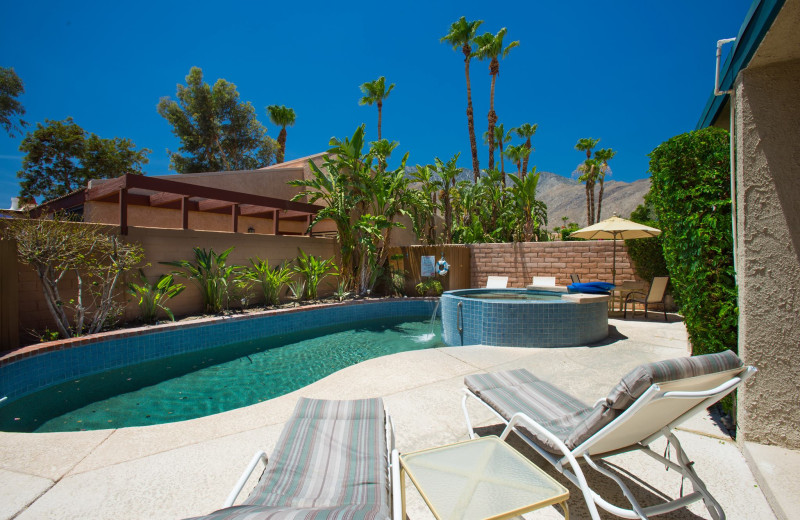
point(630, 73)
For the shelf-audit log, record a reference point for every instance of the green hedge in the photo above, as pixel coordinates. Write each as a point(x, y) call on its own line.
point(690, 192)
point(647, 254)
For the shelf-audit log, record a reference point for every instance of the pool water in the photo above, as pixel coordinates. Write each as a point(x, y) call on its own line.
point(512, 295)
point(214, 380)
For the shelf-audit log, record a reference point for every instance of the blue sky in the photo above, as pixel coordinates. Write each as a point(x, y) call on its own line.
point(630, 73)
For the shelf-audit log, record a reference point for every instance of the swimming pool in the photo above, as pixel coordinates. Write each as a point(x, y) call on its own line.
point(212, 381)
point(197, 345)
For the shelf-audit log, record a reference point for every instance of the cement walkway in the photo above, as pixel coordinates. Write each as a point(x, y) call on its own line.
point(184, 469)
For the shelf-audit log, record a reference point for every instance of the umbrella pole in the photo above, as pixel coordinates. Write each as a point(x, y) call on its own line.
point(614, 264)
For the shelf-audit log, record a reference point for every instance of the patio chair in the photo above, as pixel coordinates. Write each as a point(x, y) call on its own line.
point(647, 404)
point(334, 459)
point(575, 278)
point(497, 282)
point(544, 280)
point(656, 294)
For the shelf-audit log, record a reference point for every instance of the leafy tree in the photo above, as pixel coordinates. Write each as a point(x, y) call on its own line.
point(281, 116)
point(363, 199)
point(490, 46)
point(374, 94)
point(690, 191)
point(217, 131)
point(526, 131)
point(602, 157)
point(11, 87)
point(518, 154)
point(588, 175)
point(61, 157)
point(57, 247)
point(460, 36)
point(647, 254)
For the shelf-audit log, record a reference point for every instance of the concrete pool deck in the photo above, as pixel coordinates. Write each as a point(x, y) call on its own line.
point(188, 468)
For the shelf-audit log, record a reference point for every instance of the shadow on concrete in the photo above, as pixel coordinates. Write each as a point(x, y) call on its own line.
point(646, 494)
point(614, 335)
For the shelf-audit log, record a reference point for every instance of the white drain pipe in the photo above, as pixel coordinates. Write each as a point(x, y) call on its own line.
point(718, 92)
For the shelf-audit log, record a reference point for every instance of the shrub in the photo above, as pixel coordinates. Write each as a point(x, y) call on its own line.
point(58, 246)
point(153, 297)
point(313, 270)
point(211, 274)
point(691, 197)
point(647, 254)
point(432, 286)
point(271, 280)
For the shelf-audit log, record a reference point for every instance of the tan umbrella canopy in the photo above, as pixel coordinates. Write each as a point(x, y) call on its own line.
point(615, 228)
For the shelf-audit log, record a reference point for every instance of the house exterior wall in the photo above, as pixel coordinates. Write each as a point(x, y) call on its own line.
point(767, 129)
point(165, 245)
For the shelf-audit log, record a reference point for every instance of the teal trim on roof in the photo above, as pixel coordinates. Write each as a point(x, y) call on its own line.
point(756, 24)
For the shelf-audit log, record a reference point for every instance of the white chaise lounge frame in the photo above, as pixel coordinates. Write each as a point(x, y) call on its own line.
point(392, 456)
point(610, 440)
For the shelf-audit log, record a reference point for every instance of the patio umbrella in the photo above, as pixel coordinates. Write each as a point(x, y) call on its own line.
point(616, 228)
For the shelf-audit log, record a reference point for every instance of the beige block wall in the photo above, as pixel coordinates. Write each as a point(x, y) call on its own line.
point(163, 245)
point(767, 130)
point(592, 260)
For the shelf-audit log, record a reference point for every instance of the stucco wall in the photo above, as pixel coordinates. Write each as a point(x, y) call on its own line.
point(768, 250)
point(591, 259)
point(163, 245)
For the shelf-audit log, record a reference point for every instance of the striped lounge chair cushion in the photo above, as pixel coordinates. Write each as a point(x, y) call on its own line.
point(329, 463)
point(568, 418)
point(520, 391)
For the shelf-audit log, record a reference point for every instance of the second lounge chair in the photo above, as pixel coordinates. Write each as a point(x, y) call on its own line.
point(647, 404)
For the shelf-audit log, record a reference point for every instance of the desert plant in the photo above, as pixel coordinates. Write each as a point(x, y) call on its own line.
point(58, 246)
point(341, 291)
point(297, 289)
point(271, 280)
point(153, 297)
point(212, 275)
point(313, 270)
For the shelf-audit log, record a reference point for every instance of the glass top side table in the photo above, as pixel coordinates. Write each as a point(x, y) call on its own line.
point(483, 478)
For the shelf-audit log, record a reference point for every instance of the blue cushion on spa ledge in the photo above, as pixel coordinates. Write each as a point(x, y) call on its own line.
point(591, 287)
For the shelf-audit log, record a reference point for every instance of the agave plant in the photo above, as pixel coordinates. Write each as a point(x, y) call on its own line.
point(313, 270)
point(211, 274)
point(341, 291)
point(152, 297)
point(271, 280)
point(297, 289)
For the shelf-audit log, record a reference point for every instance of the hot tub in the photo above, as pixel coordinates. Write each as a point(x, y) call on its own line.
point(523, 318)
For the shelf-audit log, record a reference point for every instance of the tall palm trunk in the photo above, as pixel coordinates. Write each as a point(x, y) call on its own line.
point(600, 200)
point(493, 70)
point(470, 120)
point(380, 118)
point(281, 146)
point(525, 160)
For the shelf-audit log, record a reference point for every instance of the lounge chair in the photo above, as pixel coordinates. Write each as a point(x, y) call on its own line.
point(647, 404)
point(332, 460)
point(575, 278)
point(497, 282)
point(544, 280)
point(656, 294)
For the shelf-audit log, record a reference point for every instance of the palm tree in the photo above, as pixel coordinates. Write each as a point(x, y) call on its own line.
point(461, 34)
point(374, 94)
point(490, 46)
point(500, 138)
point(526, 131)
point(518, 154)
point(588, 175)
point(281, 116)
point(602, 156)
